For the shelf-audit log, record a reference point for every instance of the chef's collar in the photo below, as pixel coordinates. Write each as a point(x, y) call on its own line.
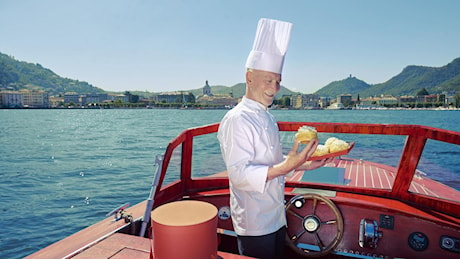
point(253, 104)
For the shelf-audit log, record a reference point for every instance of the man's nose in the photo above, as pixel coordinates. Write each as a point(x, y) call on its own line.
point(276, 86)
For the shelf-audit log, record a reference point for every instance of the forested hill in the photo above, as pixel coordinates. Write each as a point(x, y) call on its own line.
point(350, 85)
point(414, 78)
point(16, 75)
point(409, 82)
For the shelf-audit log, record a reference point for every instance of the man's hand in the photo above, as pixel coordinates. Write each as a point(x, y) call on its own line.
point(311, 165)
point(294, 160)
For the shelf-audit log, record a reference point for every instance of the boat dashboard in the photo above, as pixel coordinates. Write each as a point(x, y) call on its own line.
point(351, 226)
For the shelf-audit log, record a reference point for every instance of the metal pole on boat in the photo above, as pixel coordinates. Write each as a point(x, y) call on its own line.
point(148, 208)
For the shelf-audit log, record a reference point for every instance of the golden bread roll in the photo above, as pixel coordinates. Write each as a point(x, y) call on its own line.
point(321, 150)
point(338, 145)
point(329, 141)
point(305, 134)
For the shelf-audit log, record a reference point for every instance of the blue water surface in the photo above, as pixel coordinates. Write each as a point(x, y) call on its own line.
point(63, 170)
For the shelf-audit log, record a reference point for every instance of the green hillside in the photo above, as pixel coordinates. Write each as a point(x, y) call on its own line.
point(410, 81)
point(17, 75)
point(414, 78)
point(350, 85)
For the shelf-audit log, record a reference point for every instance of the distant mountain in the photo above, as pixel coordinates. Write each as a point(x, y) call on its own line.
point(410, 81)
point(16, 75)
point(350, 85)
point(414, 78)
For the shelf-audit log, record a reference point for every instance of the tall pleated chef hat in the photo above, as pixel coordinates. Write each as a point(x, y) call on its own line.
point(270, 46)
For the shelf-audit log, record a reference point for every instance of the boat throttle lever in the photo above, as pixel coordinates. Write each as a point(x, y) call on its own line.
point(369, 233)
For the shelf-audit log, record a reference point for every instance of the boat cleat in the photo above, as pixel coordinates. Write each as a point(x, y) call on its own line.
point(120, 213)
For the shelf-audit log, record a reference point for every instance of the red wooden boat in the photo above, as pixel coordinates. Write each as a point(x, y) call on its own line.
point(352, 208)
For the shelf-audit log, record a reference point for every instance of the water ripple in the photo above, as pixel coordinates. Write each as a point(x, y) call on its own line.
point(63, 170)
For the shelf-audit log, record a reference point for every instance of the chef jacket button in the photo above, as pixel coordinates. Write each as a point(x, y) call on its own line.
point(271, 146)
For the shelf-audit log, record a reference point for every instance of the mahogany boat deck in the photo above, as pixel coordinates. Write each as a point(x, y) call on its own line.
point(122, 246)
point(366, 174)
point(118, 246)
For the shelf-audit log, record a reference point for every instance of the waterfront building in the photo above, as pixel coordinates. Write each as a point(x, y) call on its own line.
point(217, 100)
point(11, 99)
point(345, 99)
point(406, 100)
point(119, 97)
point(56, 101)
point(387, 100)
point(94, 98)
point(207, 90)
point(174, 97)
point(72, 97)
point(324, 102)
point(35, 98)
point(305, 101)
point(296, 101)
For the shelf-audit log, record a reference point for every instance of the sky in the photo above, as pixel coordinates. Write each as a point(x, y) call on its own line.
point(168, 45)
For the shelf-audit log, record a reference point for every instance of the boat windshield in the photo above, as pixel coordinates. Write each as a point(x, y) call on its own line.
point(438, 163)
point(372, 164)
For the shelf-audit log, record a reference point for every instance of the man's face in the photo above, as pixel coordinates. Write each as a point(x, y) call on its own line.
point(262, 86)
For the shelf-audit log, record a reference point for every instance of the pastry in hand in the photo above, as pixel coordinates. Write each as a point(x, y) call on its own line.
point(305, 134)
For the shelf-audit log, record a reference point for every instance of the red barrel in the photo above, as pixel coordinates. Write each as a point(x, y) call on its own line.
point(185, 229)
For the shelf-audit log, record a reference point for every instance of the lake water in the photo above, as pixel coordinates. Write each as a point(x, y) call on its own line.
point(63, 170)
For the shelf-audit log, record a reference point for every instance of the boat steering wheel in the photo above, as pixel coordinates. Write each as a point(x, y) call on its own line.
point(315, 225)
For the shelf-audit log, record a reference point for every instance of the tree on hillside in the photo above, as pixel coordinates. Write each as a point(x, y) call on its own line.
point(457, 100)
point(422, 92)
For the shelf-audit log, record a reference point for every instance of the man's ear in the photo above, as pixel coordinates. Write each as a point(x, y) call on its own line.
point(248, 76)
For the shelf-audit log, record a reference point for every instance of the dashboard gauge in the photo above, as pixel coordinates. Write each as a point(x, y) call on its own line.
point(224, 213)
point(447, 242)
point(450, 243)
point(418, 241)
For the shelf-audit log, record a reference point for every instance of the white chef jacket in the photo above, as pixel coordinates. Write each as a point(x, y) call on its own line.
point(250, 143)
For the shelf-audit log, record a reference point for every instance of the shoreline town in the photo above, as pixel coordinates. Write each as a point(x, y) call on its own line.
point(207, 100)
